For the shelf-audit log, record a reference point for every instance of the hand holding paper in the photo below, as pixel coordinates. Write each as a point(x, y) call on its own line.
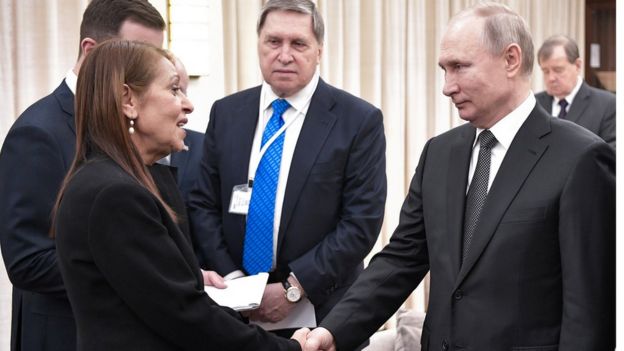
point(212, 278)
point(241, 294)
point(274, 306)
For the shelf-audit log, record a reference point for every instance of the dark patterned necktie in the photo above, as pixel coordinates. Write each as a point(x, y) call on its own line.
point(258, 245)
point(478, 190)
point(563, 113)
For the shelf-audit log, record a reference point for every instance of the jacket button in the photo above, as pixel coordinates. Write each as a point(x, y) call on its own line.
point(445, 346)
point(458, 294)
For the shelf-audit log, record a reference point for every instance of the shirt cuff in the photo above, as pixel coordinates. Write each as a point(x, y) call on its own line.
point(234, 275)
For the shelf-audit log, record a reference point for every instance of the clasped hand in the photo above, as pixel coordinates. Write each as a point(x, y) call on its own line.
point(319, 339)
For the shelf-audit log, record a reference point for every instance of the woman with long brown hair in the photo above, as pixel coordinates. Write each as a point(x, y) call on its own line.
point(130, 272)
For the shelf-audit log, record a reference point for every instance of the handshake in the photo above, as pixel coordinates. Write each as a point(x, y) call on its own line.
point(319, 339)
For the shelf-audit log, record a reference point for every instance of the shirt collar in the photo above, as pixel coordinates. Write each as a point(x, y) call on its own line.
point(505, 130)
point(570, 97)
point(71, 79)
point(298, 101)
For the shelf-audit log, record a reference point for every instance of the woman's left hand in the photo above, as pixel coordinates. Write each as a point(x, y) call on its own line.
point(212, 278)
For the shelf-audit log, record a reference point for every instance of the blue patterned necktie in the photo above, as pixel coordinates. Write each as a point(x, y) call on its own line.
point(258, 246)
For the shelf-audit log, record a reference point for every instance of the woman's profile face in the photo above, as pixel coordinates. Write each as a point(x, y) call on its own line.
point(161, 111)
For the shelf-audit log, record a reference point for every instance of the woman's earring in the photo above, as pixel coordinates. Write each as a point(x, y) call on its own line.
point(131, 129)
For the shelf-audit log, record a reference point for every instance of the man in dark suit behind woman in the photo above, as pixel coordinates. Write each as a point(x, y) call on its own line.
point(513, 214)
point(130, 273)
point(567, 95)
point(35, 157)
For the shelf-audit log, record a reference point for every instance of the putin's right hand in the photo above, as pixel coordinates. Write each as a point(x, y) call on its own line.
point(320, 339)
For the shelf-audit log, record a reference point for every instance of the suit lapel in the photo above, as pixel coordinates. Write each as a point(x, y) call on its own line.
point(244, 122)
point(318, 123)
point(65, 97)
point(525, 150)
point(457, 181)
point(579, 104)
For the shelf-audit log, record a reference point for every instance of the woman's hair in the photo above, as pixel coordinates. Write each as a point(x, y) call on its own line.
point(101, 126)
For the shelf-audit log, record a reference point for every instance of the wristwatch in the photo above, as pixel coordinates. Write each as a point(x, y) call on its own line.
point(292, 293)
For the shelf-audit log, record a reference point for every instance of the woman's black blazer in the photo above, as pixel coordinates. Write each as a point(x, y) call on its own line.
point(131, 275)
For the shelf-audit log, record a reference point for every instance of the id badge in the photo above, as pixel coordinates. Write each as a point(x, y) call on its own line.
point(239, 203)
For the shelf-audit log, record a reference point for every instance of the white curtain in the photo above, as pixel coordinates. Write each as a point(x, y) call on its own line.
point(38, 44)
point(383, 51)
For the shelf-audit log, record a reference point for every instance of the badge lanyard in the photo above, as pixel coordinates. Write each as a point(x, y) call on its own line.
point(256, 162)
point(241, 194)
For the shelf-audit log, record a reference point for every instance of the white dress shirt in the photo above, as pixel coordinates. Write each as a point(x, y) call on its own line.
point(71, 79)
point(504, 131)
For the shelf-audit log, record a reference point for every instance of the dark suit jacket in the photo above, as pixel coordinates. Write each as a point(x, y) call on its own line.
point(35, 156)
point(170, 193)
point(540, 274)
point(334, 201)
point(131, 274)
point(187, 162)
point(186, 167)
point(591, 108)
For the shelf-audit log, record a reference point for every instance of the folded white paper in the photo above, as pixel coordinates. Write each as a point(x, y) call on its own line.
point(241, 294)
point(301, 316)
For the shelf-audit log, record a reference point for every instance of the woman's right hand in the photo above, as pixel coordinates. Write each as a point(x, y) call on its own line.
point(300, 336)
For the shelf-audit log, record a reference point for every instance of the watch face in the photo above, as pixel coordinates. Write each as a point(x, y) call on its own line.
point(293, 294)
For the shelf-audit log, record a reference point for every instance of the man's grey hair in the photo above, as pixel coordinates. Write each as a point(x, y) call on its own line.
point(306, 7)
point(549, 45)
point(503, 27)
